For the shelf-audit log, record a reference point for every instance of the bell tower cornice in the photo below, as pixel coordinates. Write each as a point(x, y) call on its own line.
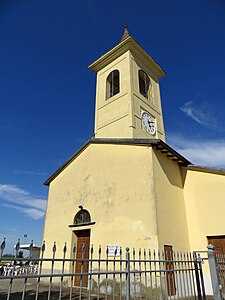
point(129, 44)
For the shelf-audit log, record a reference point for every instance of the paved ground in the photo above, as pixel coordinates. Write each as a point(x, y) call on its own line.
point(18, 284)
point(31, 286)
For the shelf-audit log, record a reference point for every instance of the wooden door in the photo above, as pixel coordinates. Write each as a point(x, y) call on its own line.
point(170, 279)
point(218, 242)
point(83, 240)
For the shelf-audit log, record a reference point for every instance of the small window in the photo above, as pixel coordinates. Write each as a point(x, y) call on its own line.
point(82, 217)
point(112, 84)
point(144, 83)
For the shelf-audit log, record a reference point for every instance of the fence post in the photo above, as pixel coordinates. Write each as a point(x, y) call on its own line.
point(2, 247)
point(31, 249)
point(214, 274)
point(127, 274)
point(17, 248)
point(201, 276)
point(197, 276)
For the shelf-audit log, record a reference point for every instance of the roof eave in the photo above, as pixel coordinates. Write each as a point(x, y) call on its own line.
point(60, 169)
point(206, 169)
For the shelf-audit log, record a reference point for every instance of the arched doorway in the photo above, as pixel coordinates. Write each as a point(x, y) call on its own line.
point(82, 218)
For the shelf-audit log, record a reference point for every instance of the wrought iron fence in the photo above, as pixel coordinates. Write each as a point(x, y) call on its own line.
point(110, 274)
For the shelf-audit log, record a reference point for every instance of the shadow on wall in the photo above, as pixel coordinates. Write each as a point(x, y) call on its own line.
point(170, 169)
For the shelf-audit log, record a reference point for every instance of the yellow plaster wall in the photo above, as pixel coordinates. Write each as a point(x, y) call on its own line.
point(115, 184)
point(170, 207)
point(205, 206)
point(109, 112)
point(140, 103)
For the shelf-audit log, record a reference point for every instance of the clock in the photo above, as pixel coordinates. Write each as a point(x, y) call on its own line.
point(148, 122)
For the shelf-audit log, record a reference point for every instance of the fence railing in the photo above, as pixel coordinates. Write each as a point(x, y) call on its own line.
point(109, 274)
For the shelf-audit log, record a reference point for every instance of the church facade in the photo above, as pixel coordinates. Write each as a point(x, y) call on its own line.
point(126, 186)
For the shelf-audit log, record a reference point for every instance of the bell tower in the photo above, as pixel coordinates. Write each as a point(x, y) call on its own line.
point(128, 103)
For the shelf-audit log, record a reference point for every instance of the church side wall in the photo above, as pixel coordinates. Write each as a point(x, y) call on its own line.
point(115, 184)
point(204, 199)
point(171, 216)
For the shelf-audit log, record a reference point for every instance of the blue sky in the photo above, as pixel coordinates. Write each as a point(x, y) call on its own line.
point(47, 94)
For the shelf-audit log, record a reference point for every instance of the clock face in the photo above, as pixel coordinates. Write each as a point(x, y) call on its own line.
point(148, 122)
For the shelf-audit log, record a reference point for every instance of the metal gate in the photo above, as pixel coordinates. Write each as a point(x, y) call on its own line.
point(118, 274)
